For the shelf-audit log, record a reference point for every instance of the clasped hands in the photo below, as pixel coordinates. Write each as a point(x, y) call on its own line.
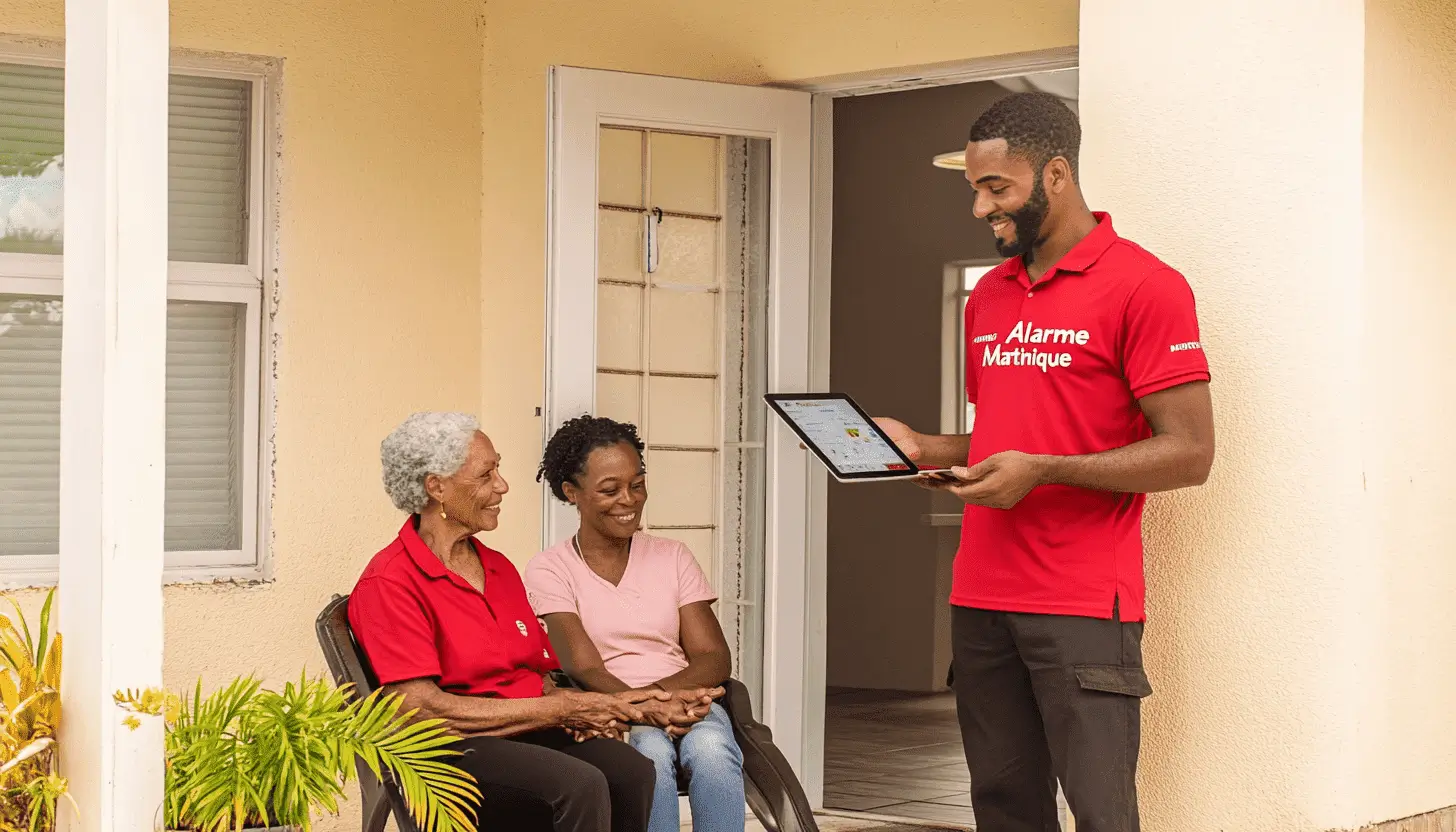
point(612, 715)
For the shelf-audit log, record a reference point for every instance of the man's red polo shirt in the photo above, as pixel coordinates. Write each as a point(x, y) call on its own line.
point(418, 620)
point(1058, 368)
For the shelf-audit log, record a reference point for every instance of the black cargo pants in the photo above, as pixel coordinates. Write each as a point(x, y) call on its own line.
point(1043, 698)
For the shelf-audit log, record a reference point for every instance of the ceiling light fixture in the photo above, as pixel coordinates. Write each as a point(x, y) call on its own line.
point(955, 160)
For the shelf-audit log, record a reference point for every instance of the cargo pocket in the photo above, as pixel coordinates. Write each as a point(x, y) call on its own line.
point(1111, 678)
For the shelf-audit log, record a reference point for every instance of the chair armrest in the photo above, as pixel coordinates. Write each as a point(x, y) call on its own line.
point(774, 790)
point(563, 681)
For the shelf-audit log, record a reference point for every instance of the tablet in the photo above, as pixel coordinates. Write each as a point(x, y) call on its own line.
point(843, 436)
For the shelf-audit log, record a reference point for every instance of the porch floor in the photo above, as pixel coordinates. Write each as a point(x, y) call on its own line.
point(836, 824)
point(895, 754)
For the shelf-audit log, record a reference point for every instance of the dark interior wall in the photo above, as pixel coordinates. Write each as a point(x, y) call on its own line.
point(898, 221)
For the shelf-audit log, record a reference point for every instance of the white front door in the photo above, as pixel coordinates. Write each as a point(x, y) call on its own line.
point(678, 294)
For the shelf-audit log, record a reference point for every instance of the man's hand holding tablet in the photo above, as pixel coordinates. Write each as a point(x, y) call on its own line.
point(999, 481)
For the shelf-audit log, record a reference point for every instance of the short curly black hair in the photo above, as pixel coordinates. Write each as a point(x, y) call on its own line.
point(1037, 127)
point(567, 452)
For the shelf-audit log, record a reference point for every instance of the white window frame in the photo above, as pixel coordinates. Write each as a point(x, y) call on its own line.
point(252, 285)
point(953, 345)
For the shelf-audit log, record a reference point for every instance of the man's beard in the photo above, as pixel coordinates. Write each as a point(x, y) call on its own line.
point(1027, 220)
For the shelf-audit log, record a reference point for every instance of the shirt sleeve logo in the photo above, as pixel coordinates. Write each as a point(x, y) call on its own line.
point(1185, 346)
point(521, 625)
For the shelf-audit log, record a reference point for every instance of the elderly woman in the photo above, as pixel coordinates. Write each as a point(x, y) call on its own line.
point(629, 612)
point(446, 624)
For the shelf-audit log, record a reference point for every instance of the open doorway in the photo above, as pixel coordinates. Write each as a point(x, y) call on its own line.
point(906, 249)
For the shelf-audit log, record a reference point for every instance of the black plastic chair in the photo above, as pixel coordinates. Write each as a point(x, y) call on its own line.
point(774, 793)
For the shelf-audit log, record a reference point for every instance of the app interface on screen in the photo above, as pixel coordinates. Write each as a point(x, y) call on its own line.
point(844, 436)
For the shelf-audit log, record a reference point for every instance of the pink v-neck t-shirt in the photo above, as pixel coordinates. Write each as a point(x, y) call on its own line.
point(635, 625)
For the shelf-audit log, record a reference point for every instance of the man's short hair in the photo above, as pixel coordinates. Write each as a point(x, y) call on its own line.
point(1037, 127)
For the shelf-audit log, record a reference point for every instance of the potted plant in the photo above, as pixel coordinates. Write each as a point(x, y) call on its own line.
point(249, 758)
point(30, 709)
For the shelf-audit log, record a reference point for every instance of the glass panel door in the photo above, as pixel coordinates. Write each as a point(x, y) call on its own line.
point(675, 298)
point(682, 254)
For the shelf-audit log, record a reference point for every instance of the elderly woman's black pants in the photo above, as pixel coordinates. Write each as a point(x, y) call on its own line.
point(547, 782)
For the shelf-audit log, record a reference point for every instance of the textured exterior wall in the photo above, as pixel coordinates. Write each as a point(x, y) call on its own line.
point(1409, 391)
point(1226, 137)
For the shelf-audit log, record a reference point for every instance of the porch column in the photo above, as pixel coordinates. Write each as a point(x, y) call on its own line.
point(113, 362)
point(1226, 138)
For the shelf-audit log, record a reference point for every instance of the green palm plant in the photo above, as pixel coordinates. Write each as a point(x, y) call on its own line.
point(30, 710)
point(244, 757)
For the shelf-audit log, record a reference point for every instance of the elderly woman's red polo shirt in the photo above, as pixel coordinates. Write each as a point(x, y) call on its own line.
point(418, 620)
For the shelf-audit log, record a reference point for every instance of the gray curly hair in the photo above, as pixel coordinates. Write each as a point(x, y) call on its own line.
point(431, 442)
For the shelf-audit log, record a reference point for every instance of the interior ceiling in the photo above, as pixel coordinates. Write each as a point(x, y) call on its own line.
point(1062, 84)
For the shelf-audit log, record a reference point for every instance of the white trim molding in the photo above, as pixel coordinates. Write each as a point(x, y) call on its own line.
point(939, 75)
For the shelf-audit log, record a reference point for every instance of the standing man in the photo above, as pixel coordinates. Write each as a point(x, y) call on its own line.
point(1091, 391)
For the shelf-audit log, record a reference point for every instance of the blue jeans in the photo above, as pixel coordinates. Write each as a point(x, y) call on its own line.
point(711, 759)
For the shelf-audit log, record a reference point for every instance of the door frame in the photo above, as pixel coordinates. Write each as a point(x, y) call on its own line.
point(580, 102)
point(825, 90)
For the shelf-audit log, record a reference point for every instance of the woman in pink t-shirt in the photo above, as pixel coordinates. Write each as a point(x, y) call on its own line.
point(628, 611)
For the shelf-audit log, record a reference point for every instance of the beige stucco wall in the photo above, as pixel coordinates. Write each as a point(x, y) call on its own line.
point(750, 42)
point(1240, 172)
point(1301, 625)
point(1409, 392)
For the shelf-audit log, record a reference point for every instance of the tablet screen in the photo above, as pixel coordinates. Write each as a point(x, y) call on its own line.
point(842, 436)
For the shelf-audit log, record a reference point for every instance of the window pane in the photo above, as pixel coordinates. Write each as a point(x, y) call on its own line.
point(689, 252)
point(619, 177)
point(684, 332)
point(972, 274)
point(620, 397)
point(30, 159)
point(204, 425)
point(619, 327)
point(207, 146)
point(681, 487)
point(682, 411)
point(30, 424)
point(207, 167)
point(685, 173)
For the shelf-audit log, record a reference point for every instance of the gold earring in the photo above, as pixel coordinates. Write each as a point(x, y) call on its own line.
point(443, 515)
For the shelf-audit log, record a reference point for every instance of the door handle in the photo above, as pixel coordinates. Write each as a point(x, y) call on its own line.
point(653, 257)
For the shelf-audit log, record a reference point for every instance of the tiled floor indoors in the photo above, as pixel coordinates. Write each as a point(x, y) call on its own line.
point(895, 754)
